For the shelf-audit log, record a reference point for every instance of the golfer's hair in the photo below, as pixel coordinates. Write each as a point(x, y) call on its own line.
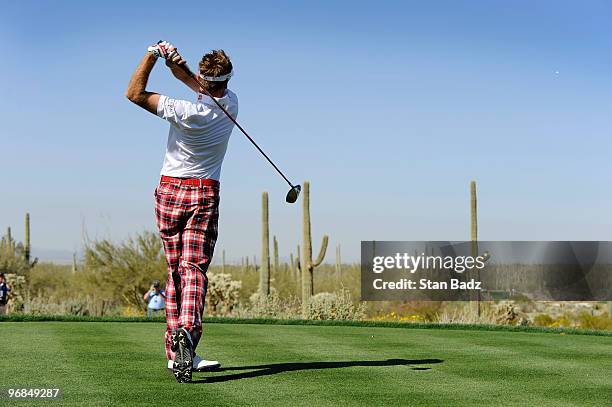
point(215, 63)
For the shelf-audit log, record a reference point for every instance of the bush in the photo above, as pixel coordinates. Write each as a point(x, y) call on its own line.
point(407, 311)
point(70, 306)
point(588, 321)
point(223, 294)
point(123, 272)
point(334, 306)
point(271, 306)
point(543, 320)
point(12, 257)
point(17, 293)
point(54, 282)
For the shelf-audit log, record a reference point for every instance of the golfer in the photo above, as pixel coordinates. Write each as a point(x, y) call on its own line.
point(187, 197)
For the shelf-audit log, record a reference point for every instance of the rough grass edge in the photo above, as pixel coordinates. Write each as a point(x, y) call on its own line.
point(265, 321)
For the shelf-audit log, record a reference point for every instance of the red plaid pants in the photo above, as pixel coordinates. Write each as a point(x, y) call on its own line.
point(187, 218)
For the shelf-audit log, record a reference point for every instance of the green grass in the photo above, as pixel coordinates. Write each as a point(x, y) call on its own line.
point(122, 363)
point(364, 323)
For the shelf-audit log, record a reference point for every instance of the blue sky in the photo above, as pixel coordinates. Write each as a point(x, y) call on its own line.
point(389, 109)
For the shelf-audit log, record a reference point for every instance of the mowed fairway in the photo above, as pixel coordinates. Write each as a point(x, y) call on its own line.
point(121, 363)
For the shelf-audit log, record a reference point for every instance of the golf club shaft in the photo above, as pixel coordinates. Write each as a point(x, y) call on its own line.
point(200, 85)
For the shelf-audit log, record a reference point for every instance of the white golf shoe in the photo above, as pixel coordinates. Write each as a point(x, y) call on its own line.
point(199, 364)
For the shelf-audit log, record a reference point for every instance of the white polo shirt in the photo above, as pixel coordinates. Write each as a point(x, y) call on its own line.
point(198, 136)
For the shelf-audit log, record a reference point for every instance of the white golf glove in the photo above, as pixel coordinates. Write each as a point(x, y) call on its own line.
point(162, 49)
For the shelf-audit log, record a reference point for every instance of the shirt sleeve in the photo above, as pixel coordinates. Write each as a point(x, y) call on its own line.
point(176, 111)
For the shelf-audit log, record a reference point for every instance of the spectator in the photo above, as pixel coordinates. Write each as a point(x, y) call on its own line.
point(155, 299)
point(4, 290)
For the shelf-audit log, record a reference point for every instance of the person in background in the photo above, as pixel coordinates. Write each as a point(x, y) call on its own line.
point(4, 290)
point(155, 299)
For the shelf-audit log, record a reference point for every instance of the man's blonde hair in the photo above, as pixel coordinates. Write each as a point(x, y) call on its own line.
point(215, 63)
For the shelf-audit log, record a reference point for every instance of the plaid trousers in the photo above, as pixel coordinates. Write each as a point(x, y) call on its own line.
point(187, 218)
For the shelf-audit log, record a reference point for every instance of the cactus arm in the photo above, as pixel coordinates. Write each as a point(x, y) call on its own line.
point(321, 255)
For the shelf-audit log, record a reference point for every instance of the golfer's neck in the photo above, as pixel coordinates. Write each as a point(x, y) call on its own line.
point(218, 93)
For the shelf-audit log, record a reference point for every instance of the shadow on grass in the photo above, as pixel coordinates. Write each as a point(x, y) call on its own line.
point(275, 368)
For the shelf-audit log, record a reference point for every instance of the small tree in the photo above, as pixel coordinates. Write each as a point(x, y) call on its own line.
point(124, 271)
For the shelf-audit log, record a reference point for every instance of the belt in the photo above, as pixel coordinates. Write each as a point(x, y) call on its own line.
point(196, 182)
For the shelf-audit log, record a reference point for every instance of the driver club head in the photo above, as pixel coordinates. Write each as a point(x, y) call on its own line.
point(293, 194)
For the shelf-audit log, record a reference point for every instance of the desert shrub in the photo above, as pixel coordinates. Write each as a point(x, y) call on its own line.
point(55, 290)
point(588, 321)
point(288, 283)
point(132, 311)
point(53, 281)
point(12, 257)
point(394, 316)
point(543, 320)
point(501, 313)
point(270, 306)
point(582, 319)
point(465, 313)
point(335, 306)
point(407, 311)
point(17, 294)
point(123, 272)
point(524, 303)
point(563, 321)
point(223, 294)
point(84, 306)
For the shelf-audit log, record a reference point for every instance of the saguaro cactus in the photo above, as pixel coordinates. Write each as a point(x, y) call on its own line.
point(10, 243)
point(27, 248)
point(297, 269)
point(264, 273)
point(276, 263)
point(474, 234)
point(308, 265)
point(338, 263)
point(74, 263)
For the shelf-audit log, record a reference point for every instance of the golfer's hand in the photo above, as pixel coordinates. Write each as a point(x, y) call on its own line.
point(174, 57)
point(163, 49)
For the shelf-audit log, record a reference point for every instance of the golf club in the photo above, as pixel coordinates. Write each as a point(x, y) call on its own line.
point(295, 190)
